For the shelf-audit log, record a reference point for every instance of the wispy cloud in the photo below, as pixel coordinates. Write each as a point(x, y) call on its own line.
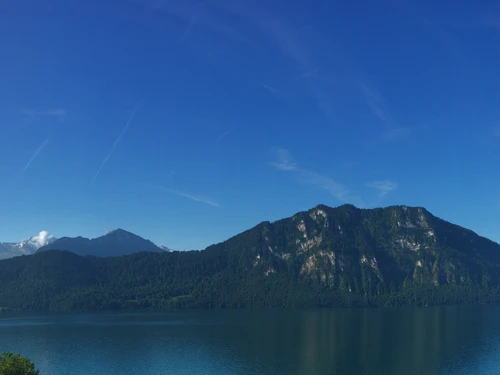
point(55, 112)
point(290, 42)
point(383, 187)
point(269, 88)
point(311, 73)
point(287, 40)
point(284, 162)
point(193, 197)
point(129, 121)
point(229, 17)
point(393, 131)
point(192, 20)
point(375, 102)
point(223, 135)
point(35, 154)
point(171, 174)
point(195, 15)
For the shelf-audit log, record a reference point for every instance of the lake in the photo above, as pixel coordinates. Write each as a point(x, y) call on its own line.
point(439, 340)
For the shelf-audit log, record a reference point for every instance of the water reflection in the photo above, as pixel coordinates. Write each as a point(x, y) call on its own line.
point(449, 340)
point(382, 341)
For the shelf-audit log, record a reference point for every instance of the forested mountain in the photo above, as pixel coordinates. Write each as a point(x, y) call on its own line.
point(326, 256)
point(115, 243)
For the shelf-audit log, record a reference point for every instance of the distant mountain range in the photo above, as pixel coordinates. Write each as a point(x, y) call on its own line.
point(164, 248)
point(28, 247)
point(323, 257)
point(114, 243)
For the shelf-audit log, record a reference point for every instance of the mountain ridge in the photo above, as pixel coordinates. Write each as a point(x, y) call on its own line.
point(322, 257)
point(27, 247)
point(114, 243)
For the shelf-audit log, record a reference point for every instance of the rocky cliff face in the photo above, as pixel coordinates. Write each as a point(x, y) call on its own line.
point(324, 257)
point(368, 250)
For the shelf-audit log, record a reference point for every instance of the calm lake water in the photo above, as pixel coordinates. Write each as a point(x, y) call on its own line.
point(445, 340)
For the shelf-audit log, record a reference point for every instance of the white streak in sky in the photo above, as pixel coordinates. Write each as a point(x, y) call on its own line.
point(375, 102)
point(193, 197)
point(384, 187)
point(195, 15)
point(193, 20)
point(269, 88)
point(115, 144)
point(222, 136)
point(284, 162)
point(393, 131)
point(35, 154)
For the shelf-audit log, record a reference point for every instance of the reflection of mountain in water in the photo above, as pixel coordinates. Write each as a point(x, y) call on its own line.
point(367, 341)
point(427, 341)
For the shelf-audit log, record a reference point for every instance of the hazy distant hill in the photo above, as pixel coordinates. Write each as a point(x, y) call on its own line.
point(30, 246)
point(115, 243)
point(326, 256)
point(164, 248)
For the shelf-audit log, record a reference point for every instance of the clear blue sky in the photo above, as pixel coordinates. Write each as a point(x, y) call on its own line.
point(187, 122)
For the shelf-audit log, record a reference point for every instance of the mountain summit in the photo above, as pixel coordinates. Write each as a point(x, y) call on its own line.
point(165, 248)
point(323, 257)
point(114, 243)
point(30, 246)
point(368, 251)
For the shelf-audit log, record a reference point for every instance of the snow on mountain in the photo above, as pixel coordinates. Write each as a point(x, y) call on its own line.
point(30, 246)
point(164, 248)
point(113, 239)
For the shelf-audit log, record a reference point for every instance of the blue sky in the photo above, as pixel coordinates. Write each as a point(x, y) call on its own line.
point(188, 122)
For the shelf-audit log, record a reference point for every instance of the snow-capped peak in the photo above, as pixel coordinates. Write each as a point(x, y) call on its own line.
point(34, 243)
point(164, 248)
point(9, 250)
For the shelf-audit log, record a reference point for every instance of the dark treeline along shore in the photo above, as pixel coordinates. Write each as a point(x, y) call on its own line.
point(324, 257)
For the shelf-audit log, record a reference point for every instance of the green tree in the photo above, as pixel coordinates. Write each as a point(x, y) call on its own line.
point(15, 364)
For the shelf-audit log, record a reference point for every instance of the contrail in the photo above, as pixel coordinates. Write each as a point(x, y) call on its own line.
point(115, 144)
point(35, 155)
point(271, 89)
point(222, 136)
point(192, 23)
point(192, 197)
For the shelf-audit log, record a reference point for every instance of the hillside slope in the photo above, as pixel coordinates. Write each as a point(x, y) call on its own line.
point(324, 257)
point(115, 243)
